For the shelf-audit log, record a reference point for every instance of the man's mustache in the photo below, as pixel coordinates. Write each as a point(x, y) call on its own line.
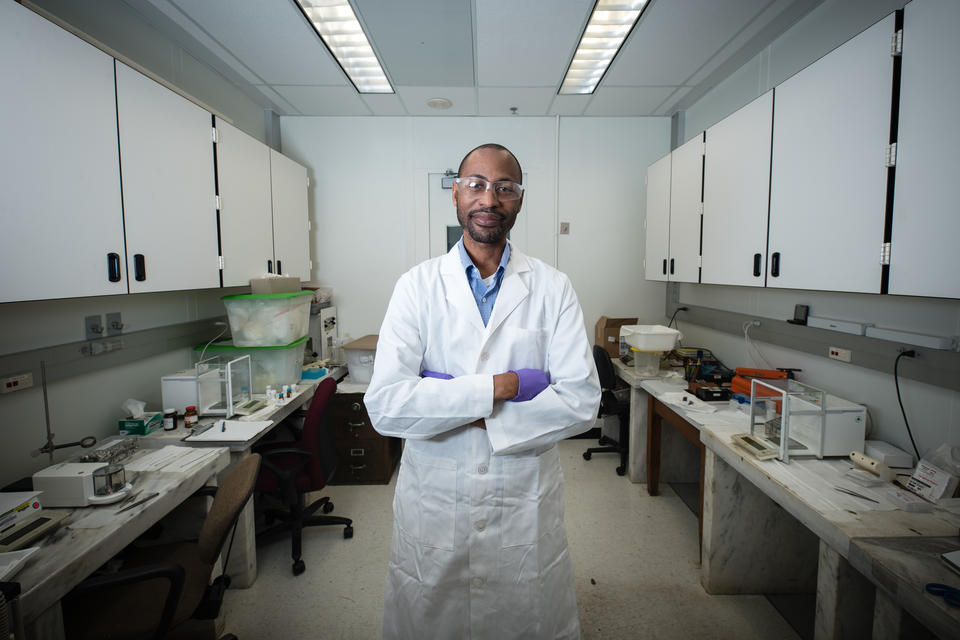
point(488, 211)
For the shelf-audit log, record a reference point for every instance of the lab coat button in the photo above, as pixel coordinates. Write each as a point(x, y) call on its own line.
point(484, 356)
point(478, 582)
point(482, 469)
point(480, 525)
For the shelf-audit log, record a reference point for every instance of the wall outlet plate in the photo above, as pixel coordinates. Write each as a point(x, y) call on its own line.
point(843, 355)
point(114, 324)
point(16, 382)
point(93, 327)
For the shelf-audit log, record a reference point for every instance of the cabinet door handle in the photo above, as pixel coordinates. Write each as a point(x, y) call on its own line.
point(139, 267)
point(356, 425)
point(775, 264)
point(269, 266)
point(113, 267)
point(279, 268)
point(671, 266)
point(756, 265)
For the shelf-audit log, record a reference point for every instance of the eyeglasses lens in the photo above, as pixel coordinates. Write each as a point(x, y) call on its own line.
point(505, 191)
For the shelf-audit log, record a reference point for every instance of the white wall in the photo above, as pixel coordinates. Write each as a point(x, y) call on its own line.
point(934, 412)
point(369, 203)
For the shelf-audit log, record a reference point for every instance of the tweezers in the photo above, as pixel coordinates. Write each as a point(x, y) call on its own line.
point(855, 494)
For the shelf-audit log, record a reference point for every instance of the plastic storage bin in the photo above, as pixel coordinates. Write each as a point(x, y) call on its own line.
point(268, 319)
point(650, 337)
point(646, 363)
point(272, 366)
point(360, 354)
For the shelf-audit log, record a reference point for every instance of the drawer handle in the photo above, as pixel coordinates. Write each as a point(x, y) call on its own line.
point(358, 453)
point(358, 467)
point(356, 425)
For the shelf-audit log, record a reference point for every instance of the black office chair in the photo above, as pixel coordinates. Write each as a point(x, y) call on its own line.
point(291, 469)
point(611, 406)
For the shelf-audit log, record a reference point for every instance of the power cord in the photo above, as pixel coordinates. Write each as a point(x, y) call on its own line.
point(757, 354)
point(673, 321)
point(909, 353)
point(214, 338)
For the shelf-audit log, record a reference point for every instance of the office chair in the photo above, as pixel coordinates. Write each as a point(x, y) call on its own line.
point(164, 591)
point(610, 406)
point(294, 468)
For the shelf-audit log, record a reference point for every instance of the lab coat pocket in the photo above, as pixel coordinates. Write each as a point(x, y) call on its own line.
point(521, 501)
point(527, 348)
point(430, 500)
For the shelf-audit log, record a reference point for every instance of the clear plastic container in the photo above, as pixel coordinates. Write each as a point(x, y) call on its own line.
point(268, 319)
point(646, 363)
point(272, 366)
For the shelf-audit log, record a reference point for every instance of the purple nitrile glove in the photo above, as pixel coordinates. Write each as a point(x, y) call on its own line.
point(435, 374)
point(532, 382)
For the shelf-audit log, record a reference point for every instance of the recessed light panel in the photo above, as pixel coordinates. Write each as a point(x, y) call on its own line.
point(609, 25)
point(337, 24)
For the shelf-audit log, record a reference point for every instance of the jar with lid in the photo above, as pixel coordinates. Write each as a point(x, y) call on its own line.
point(169, 419)
point(190, 418)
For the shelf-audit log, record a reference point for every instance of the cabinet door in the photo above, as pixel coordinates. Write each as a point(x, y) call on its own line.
point(60, 199)
point(657, 243)
point(291, 221)
point(246, 224)
point(736, 190)
point(829, 175)
point(686, 197)
point(925, 222)
point(169, 209)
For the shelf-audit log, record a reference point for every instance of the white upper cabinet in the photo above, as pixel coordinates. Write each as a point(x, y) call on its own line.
point(657, 243)
point(736, 189)
point(829, 175)
point(246, 228)
point(686, 199)
point(60, 199)
point(926, 225)
point(291, 222)
point(169, 205)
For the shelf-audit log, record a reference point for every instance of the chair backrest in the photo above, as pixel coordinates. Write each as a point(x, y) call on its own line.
point(608, 379)
point(316, 437)
point(232, 495)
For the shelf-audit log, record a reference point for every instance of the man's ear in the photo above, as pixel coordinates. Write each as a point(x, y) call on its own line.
point(454, 194)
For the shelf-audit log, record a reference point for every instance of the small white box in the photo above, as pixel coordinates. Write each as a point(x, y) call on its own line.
point(846, 326)
point(68, 484)
point(888, 454)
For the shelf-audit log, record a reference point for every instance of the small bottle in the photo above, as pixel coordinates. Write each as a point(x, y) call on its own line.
point(169, 419)
point(271, 396)
point(287, 391)
point(190, 418)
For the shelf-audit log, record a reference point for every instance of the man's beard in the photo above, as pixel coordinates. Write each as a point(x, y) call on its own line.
point(484, 235)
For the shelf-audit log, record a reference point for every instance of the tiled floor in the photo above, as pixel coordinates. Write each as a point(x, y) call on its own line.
point(635, 559)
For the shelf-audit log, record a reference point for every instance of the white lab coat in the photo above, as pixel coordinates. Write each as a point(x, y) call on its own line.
point(479, 550)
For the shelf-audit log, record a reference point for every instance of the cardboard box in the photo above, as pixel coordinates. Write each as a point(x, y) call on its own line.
point(275, 284)
point(141, 426)
point(607, 334)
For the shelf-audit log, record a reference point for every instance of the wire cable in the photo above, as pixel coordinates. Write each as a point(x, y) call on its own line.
point(213, 339)
point(910, 353)
point(757, 354)
point(673, 321)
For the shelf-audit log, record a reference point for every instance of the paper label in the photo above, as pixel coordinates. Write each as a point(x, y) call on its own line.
point(929, 481)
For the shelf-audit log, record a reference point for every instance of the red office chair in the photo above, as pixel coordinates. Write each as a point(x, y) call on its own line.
point(291, 469)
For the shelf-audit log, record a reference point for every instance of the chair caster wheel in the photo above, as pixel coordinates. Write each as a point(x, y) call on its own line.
point(327, 507)
point(299, 567)
point(587, 455)
point(347, 532)
point(621, 471)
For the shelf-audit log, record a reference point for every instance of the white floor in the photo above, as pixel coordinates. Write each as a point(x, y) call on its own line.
point(635, 559)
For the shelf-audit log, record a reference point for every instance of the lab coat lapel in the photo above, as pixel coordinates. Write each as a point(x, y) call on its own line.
point(512, 290)
point(458, 290)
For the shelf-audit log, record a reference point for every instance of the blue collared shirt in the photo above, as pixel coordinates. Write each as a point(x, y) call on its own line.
point(484, 292)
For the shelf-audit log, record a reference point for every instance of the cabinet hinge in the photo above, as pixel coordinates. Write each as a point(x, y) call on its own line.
point(885, 253)
point(217, 202)
point(310, 264)
point(700, 208)
point(214, 137)
point(699, 261)
point(309, 225)
point(896, 43)
point(891, 154)
point(308, 182)
point(221, 262)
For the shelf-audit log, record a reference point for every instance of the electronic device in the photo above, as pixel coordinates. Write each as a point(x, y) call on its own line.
point(759, 449)
point(78, 484)
point(250, 406)
point(713, 394)
point(24, 533)
point(800, 312)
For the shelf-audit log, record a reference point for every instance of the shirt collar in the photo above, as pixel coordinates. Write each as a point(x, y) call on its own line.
point(467, 262)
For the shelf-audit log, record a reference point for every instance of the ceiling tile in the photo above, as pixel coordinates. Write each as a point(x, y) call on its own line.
point(426, 42)
point(627, 101)
point(569, 105)
point(496, 101)
point(527, 44)
point(464, 100)
point(273, 39)
point(384, 104)
point(284, 106)
point(324, 101)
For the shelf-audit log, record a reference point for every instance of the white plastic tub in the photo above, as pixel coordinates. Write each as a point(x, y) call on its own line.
point(268, 319)
point(272, 366)
point(650, 337)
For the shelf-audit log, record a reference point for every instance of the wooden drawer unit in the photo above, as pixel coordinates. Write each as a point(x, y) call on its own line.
point(364, 456)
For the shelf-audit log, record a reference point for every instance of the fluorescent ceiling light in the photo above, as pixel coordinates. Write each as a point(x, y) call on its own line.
point(337, 24)
point(609, 25)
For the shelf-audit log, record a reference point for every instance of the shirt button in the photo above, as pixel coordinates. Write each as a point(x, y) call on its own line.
point(482, 469)
point(484, 355)
point(483, 299)
point(481, 525)
point(478, 582)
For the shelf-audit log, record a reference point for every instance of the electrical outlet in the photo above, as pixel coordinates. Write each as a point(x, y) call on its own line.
point(843, 355)
point(16, 383)
point(564, 228)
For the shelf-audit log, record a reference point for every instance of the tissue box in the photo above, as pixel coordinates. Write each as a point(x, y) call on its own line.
point(141, 426)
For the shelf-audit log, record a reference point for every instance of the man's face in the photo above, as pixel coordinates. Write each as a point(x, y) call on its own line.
point(482, 215)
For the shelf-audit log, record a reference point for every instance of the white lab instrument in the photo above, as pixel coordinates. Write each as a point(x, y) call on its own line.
point(72, 484)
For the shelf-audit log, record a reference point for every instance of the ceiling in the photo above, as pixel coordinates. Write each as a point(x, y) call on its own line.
point(485, 56)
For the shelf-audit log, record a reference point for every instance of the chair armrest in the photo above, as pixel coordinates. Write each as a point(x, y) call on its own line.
point(208, 491)
point(174, 573)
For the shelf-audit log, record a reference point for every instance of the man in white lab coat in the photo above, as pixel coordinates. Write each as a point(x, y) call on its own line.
point(482, 364)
